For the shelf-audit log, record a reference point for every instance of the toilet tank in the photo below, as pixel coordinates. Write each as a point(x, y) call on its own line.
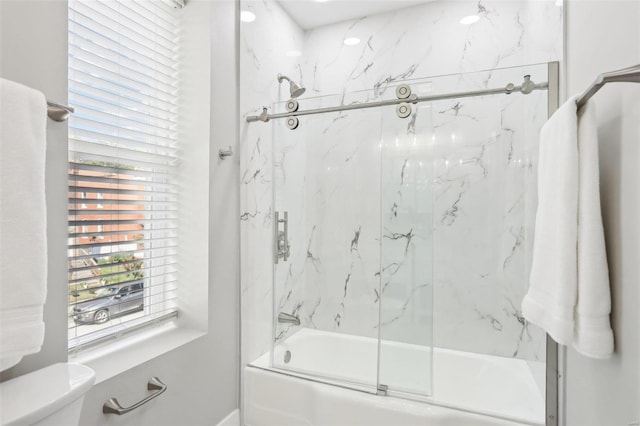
point(47, 397)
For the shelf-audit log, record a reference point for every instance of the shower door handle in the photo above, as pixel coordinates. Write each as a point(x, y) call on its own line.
point(281, 238)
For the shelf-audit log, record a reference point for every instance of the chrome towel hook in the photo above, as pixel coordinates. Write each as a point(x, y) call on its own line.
point(224, 153)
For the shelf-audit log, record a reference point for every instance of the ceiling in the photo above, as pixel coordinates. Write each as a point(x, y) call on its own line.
point(312, 13)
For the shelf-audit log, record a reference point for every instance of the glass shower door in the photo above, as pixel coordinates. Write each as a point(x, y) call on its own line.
point(326, 287)
point(404, 243)
point(406, 253)
point(458, 206)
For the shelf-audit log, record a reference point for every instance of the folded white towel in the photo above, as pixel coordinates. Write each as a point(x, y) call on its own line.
point(568, 292)
point(593, 336)
point(552, 293)
point(23, 236)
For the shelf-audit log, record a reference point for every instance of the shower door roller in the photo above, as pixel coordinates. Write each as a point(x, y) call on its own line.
point(403, 91)
point(292, 123)
point(403, 110)
point(281, 246)
point(292, 105)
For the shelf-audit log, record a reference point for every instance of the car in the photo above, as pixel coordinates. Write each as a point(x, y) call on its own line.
point(110, 302)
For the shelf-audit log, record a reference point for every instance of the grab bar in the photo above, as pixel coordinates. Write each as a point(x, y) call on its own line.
point(112, 406)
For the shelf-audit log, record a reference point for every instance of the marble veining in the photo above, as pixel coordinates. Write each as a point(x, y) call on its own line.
point(420, 229)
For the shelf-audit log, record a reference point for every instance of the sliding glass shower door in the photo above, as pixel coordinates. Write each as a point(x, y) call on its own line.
point(406, 252)
point(327, 198)
point(404, 228)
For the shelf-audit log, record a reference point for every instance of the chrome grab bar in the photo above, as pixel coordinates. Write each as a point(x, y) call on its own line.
point(112, 406)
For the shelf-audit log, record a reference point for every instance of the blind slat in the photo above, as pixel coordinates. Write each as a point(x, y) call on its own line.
point(127, 29)
point(170, 249)
point(90, 267)
point(121, 180)
point(104, 123)
point(124, 156)
point(168, 282)
point(126, 75)
point(127, 96)
point(106, 212)
point(126, 280)
point(111, 49)
point(108, 101)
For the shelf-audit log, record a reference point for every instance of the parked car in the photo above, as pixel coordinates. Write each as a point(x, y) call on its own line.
point(110, 302)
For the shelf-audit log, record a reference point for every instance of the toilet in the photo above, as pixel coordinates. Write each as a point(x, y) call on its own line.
point(51, 396)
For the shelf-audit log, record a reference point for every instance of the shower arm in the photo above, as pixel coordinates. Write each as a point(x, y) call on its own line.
point(283, 77)
point(412, 99)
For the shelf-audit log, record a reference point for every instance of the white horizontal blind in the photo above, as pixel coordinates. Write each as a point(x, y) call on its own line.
point(123, 197)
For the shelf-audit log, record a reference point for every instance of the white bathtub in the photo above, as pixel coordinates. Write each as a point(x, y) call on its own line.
point(468, 389)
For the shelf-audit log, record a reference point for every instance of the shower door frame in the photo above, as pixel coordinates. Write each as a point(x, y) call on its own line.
point(552, 362)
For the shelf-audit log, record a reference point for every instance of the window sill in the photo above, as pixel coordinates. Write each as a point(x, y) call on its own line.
point(112, 358)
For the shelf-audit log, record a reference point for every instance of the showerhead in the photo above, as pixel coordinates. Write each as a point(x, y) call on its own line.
point(295, 89)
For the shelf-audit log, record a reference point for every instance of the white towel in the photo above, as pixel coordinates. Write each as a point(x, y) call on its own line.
point(569, 295)
point(593, 336)
point(23, 234)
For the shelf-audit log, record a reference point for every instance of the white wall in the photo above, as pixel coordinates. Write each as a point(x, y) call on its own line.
point(202, 376)
point(38, 58)
point(604, 36)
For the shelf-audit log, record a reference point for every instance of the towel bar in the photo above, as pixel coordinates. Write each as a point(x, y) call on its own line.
point(626, 75)
point(112, 406)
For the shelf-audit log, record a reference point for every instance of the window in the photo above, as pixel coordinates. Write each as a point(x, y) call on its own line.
point(123, 83)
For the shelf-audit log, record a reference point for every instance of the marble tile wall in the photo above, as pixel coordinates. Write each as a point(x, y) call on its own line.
point(263, 47)
point(342, 195)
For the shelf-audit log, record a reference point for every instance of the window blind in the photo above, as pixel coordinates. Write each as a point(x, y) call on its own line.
point(123, 157)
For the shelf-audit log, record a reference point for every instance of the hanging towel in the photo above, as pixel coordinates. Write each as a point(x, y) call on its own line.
point(23, 236)
point(593, 336)
point(569, 295)
point(552, 293)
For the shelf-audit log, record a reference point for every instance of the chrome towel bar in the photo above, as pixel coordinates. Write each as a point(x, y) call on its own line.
point(112, 406)
point(625, 75)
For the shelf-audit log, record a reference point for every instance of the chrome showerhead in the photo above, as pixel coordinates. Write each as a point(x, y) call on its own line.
point(295, 89)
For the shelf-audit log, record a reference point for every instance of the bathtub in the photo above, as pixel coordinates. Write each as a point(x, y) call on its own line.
point(467, 389)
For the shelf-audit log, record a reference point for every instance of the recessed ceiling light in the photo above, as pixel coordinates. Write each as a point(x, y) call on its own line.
point(351, 41)
point(293, 53)
point(471, 19)
point(246, 16)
